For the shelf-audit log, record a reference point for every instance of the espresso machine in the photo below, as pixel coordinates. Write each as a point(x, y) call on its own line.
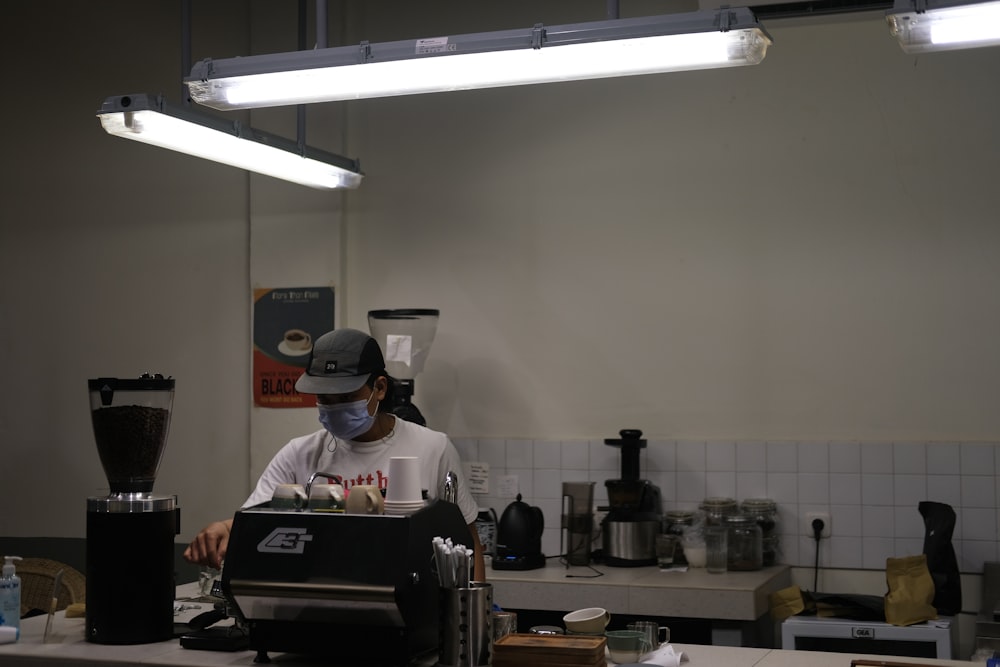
point(405, 336)
point(356, 589)
point(634, 509)
point(130, 532)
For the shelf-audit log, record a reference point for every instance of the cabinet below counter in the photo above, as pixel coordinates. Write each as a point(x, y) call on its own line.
point(735, 603)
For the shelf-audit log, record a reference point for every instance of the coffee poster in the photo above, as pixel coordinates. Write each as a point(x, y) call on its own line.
point(286, 321)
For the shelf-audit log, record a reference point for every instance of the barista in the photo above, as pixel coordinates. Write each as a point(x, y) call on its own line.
point(346, 371)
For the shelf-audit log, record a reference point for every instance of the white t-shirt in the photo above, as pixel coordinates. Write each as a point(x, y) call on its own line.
point(366, 462)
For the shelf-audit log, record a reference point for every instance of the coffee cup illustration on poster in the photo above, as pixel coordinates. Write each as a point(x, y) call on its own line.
point(286, 321)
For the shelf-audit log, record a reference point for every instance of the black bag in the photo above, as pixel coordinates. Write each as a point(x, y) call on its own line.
point(939, 524)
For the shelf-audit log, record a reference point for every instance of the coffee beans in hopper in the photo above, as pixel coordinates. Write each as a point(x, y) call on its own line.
point(130, 440)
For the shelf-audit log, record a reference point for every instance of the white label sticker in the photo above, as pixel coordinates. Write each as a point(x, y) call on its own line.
point(508, 486)
point(432, 45)
point(477, 474)
point(399, 348)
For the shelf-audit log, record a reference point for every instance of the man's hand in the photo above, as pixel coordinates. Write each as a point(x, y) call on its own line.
point(209, 546)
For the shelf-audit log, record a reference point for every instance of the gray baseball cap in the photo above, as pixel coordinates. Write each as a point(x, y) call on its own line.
point(340, 362)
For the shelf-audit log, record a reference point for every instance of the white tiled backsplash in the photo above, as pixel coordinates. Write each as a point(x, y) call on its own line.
point(870, 490)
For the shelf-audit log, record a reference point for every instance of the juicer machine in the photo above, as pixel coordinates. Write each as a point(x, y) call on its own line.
point(634, 508)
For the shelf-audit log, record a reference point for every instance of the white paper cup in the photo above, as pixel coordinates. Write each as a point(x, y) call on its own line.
point(404, 479)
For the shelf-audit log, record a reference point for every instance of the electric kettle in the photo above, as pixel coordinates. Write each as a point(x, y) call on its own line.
point(519, 538)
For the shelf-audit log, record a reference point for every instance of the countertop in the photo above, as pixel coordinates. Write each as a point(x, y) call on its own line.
point(67, 647)
point(695, 593)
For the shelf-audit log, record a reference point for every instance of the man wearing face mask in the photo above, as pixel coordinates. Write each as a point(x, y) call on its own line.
point(347, 373)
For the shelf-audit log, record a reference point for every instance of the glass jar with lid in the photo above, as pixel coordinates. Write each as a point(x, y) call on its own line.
point(674, 523)
point(765, 513)
point(745, 550)
point(716, 508)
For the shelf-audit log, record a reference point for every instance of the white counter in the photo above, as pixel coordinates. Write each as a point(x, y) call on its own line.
point(646, 591)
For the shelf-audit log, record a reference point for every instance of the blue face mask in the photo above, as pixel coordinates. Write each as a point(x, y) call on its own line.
point(347, 420)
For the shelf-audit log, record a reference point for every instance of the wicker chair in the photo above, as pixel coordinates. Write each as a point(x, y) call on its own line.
point(38, 576)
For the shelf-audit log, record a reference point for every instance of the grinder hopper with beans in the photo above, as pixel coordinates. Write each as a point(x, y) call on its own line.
point(130, 531)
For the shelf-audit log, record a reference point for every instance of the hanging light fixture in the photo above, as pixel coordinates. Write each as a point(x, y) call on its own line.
point(148, 118)
point(940, 25)
point(619, 47)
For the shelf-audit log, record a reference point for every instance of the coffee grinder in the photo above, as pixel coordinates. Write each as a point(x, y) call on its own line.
point(405, 336)
point(635, 510)
point(130, 532)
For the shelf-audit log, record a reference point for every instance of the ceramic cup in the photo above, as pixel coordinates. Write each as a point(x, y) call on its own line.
point(627, 645)
point(288, 497)
point(326, 497)
point(589, 621)
point(297, 339)
point(364, 499)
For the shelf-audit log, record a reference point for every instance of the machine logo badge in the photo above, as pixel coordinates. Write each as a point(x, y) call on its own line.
point(285, 541)
point(862, 633)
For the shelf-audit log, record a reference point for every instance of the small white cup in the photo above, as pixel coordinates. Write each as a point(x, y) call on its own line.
point(404, 479)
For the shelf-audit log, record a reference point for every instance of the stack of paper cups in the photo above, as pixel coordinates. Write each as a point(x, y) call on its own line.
point(403, 494)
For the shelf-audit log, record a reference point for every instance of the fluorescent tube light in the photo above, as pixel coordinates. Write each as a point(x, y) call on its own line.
point(930, 25)
point(148, 118)
point(619, 47)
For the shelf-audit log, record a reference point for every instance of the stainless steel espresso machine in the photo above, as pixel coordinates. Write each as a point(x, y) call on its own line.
point(130, 532)
point(634, 509)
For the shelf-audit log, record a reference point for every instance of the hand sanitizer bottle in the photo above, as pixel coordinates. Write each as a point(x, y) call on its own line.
point(10, 595)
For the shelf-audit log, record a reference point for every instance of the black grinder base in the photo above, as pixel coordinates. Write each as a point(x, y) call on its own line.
point(130, 569)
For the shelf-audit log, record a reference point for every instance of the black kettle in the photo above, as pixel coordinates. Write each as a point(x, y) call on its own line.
point(519, 537)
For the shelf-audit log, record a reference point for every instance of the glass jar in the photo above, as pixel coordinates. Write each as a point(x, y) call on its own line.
point(674, 522)
point(717, 508)
point(745, 548)
point(765, 512)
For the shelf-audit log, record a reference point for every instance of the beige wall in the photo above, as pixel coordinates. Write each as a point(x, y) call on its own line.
point(800, 251)
point(803, 249)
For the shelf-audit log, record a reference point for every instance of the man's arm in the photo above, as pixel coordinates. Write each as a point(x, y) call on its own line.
point(479, 563)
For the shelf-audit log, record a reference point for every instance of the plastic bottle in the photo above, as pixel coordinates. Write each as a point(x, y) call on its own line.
point(10, 595)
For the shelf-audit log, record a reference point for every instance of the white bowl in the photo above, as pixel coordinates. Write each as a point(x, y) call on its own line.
point(591, 620)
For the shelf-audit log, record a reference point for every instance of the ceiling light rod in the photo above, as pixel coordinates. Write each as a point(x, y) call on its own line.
point(944, 25)
point(150, 119)
point(619, 47)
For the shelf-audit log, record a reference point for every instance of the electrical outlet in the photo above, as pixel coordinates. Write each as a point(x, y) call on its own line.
point(807, 526)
